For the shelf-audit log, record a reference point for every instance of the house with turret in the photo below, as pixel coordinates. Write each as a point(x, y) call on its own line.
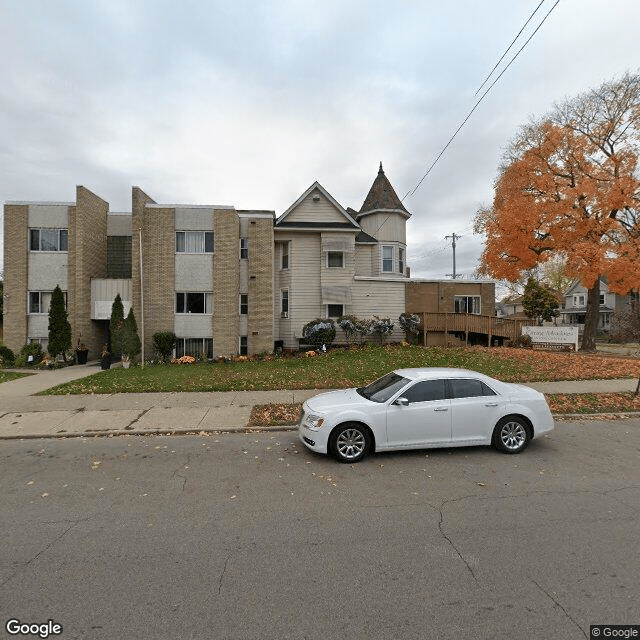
point(224, 280)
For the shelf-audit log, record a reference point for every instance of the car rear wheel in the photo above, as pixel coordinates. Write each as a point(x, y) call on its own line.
point(511, 435)
point(350, 442)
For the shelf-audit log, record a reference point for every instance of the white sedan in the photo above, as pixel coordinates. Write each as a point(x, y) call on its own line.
point(421, 408)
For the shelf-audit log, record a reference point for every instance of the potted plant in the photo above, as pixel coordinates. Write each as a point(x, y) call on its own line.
point(82, 353)
point(105, 357)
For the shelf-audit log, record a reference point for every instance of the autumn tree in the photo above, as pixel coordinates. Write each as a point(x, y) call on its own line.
point(569, 186)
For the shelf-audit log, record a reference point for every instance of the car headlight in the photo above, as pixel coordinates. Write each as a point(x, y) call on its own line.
point(313, 421)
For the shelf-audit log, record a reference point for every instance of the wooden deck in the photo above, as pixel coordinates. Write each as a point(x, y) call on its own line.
point(490, 326)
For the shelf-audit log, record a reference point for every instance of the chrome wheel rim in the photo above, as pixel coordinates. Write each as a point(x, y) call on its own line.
point(513, 435)
point(351, 444)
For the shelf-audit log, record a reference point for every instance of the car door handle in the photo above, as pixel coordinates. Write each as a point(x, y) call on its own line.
point(491, 404)
point(441, 409)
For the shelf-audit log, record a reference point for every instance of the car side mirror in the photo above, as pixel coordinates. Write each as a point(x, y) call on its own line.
point(402, 402)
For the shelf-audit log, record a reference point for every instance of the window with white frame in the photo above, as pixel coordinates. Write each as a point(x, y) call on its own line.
point(401, 260)
point(244, 248)
point(194, 241)
point(335, 259)
point(335, 310)
point(244, 304)
point(284, 256)
point(196, 347)
point(387, 258)
point(48, 240)
point(40, 301)
point(466, 304)
point(578, 301)
point(194, 302)
point(284, 303)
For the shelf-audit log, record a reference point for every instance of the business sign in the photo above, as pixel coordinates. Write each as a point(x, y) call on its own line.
point(553, 337)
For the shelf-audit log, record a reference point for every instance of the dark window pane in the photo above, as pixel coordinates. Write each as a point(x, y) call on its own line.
point(48, 239)
point(469, 389)
point(243, 346)
point(34, 239)
point(180, 303)
point(64, 240)
point(335, 259)
point(334, 310)
point(208, 241)
point(425, 391)
point(34, 302)
point(179, 347)
point(180, 242)
point(195, 302)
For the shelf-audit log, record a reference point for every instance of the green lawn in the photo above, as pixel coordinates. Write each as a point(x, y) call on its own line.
point(5, 376)
point(342, 368)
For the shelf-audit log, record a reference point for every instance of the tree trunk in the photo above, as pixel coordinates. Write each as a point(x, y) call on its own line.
point(591, 318)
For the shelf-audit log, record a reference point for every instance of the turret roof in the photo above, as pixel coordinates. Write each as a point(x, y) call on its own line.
point(382, 196)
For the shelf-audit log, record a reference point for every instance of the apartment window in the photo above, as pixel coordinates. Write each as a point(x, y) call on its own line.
point(578, 301)
point(194, 241)
point(244, 304)
point(40, 301)
point(602, 298)
point(194, 302)
point(48, 239)
point(196, 347)
point(335, 310)
point(387, 258)
point(244, 248)
point(335, 259)
point(284, 303)
point(467, 304)
point(244, 346)
point(401, 260)
point(284, 262)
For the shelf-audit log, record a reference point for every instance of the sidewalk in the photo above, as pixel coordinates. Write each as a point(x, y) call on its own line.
point(24, 415)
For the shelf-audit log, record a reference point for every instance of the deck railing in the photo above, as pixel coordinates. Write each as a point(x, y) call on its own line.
point(491, 326)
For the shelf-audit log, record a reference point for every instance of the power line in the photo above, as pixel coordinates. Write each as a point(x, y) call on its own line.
point(509, 47)
point(475, 106)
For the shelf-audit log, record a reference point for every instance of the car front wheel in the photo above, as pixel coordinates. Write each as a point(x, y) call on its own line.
point(511, 435)
point(350, 442)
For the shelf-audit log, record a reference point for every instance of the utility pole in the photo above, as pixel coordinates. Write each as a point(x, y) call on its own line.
point(454, 236)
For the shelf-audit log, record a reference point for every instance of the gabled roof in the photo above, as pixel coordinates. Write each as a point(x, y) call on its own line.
point(382, 196)
point(349, 222)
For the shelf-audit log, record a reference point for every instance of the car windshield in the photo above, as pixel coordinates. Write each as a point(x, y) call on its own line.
point(383, 388)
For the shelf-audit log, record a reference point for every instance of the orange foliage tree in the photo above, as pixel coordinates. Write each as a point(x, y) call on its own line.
point(569, 186)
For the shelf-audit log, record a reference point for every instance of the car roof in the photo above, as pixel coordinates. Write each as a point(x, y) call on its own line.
point(430, 373)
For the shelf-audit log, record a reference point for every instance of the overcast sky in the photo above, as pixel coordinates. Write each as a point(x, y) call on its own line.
point(247, 103)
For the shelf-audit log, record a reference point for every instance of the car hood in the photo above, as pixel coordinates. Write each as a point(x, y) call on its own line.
point(346, 398)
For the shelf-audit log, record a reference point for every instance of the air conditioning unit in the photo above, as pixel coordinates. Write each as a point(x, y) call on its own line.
point(284, 314)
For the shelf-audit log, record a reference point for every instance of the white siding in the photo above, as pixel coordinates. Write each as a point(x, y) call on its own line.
point(391, 227)
point(383, 299)
point(193, 326)
point(365, 257)
point(310, 210)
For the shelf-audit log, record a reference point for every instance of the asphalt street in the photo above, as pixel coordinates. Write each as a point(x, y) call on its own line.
point(251, 536)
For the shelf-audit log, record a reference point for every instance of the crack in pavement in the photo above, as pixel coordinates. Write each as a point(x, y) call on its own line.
point(557, 604)
point(222, 574)
point(450, 541)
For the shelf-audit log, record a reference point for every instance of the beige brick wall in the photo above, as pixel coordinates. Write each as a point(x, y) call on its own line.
point(226, 282)
point(87, 259)
point(260, 320)
point(138, 200)
point(158, 258)
point(15, 275)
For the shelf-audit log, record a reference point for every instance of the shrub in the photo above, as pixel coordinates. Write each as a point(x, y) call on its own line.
point(381, 327)
point(131, 345)
point(410, 324)
point(59, 327)
point(521, 342)
point(7, 357)
point(116, 326)
point(319, 332)
point(349, 324)
point(163, 343)
point(32, 349)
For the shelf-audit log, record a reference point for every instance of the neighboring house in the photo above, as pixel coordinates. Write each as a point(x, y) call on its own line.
point(574, 305)
point(223, 280)
point(511, 307)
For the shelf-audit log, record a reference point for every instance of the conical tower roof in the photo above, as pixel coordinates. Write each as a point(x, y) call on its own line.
point(382, 196)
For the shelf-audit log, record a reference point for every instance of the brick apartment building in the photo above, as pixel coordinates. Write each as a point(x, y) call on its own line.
point(225, 281)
